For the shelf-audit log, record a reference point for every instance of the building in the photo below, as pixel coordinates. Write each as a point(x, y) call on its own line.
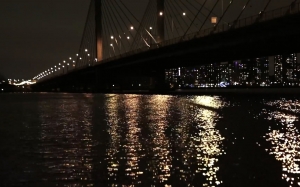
point(280, 70)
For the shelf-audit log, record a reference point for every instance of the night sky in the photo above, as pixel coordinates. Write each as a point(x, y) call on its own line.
point(36, 34)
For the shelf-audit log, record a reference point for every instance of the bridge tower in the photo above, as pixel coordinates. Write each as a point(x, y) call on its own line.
point(99, 32)
point(160, 20)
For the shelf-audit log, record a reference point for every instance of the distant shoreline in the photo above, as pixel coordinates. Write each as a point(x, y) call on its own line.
point(218, 91)
point(200, 91)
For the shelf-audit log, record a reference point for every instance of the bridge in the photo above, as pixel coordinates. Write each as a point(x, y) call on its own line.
point(120, 51)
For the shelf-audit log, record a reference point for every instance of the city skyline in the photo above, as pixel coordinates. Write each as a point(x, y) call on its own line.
point(278, 70)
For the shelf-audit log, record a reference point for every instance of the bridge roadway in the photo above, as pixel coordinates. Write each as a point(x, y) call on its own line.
point(277, 36)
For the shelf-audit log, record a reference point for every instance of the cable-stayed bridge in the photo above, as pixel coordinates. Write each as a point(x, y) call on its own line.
point(120, 50)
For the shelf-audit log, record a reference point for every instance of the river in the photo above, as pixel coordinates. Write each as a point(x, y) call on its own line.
point(148, 140)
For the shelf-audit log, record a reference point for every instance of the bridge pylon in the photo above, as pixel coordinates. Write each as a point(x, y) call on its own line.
point(99, 31)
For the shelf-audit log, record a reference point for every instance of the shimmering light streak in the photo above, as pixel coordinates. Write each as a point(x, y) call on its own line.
point(113, 130)
point(285, 140)
point(198, 128)
point(161, 165)
point(133, 146)
point(142, 146)
point(208, 101)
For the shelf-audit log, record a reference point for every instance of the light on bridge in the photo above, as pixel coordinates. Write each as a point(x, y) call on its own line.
point(183, 13)
point(161, 13)
point(131, 27)
point(214, 20)
point(112, 37)
point(128, 37)
point(150, 28)
point(85, 50)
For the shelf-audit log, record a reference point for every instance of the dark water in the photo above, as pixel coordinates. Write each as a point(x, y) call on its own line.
point(143, 140)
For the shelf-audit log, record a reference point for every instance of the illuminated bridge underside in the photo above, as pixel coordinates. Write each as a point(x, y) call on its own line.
point(269, 38)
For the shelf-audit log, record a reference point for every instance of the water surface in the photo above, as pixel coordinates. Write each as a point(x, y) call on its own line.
point(148, 140)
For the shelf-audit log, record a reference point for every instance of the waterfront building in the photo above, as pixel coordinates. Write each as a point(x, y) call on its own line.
point(281, 70)
point(290, 69)
point(245, 73)
point(286, 70)
point(260, 72)
point(278, 66)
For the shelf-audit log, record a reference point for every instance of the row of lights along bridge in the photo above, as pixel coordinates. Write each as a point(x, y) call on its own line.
point(61, 66)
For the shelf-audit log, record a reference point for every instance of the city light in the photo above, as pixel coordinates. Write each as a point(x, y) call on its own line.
point(243, 73)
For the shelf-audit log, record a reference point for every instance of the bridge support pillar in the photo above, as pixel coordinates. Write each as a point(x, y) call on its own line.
point(160, 20)
point(98, 23)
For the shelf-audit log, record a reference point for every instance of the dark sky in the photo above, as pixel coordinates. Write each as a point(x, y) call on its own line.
point(36, 34)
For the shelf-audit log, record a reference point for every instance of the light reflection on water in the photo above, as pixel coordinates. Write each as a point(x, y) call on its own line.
point(285, 139)
point(144, 140)
point(204, 141)
point(151, 155)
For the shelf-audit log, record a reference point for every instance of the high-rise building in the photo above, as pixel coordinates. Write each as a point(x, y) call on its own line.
point(245, 72)
point(260, 72)
point(278, 68)
point(281, 70)
point(286, 70)
point(172, 77)
point(290, 69)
